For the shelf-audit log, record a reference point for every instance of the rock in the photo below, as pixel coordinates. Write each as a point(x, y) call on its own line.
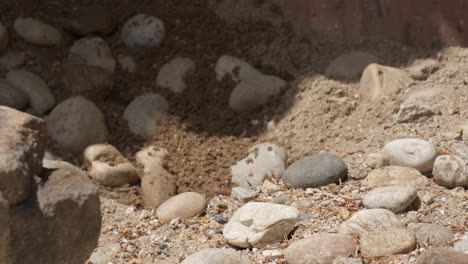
point(451, 171)
point(22, 145)
point(103, 254)
point(264, 160)
point(236, 69)
point(157, 186)
point(76, 123)
point(342, 260)
point(460, 150)
point(151, 158)
point(462, 245)
point(37, 32)
point(431, 234)
point(349, 66)
point(321, 248)
point(423, 69)
point(3, 38)
point(396, 176)
point(393, 198)
point(92, 19)
point(272, 254)
point(81, 79)
point(377, 160)
point(370, 220)
point(92, 52)
point(127, 63)
point(411, 152)
point(145, 114)
point(259, 224)
point(40, 97)
point(413, 111)
point(379, 82)
point(387, 242)
point(315, 171)
point(217, 256)
point(173, 74)
point(185, 205)
point(243, 194)
point(143, 31)
point(108, 166)
point(11, 97)
point(442, 256)
point(13, 59)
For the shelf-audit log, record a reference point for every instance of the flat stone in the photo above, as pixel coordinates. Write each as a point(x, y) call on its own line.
point(315, 171)
point(184, 205)
point(173, 74)
point(3, 38)
point(86, 80)
point(260, 224)
point(92, 19)
point(11, 97)
point(387, 243)
point(349, 66)
point(379, 82)
point(37, 32)
point(462, 244)
point(217, 256)
point(411, 152)
point(442, 256)
point(243, 194)
point(423, 69)
point(396, 176)
point(369, 220)
point(321, 248)
point(393, 198)
point(92, 52)
point(143, 31)
point(431, 234)
point(377, 160)
point(451, 171)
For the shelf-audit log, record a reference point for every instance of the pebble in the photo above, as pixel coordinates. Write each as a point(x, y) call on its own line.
point(145, 114)
point(11, 97)
point(220, 219)
point(349, 66)
point(451, 171)
point(37, 32)
point(217, 256)
point(173, 74)
point(259, 224)
point(396, 176)
point(3, 38)
point(377, 160)
point(462, 244)
point(81, 79)
point(416, 111)
point(387, 242)
point(315, 171)
point(442, 256)
point(143, 31)
point(35, 88)
point(76, 123)
point(379, 82)
point(431, 234)
point(423, 69)
point(264, 160)
point(103, 254)
point(92, 19)
point(393, 198)
point(243, 194)
point(13, 59)
point(127, 63)
point(185, 205)
point(92, 52)
point(108, 166)
point(411, 152)
point(369, 220)
point(320, 248)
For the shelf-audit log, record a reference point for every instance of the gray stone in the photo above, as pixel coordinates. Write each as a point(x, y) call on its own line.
point(315, 171)
point(185, 205)
point(37, 32)
point(442, 256)
point(143, 31)
point(243, 194)
point(377, 160)
point(103, 254)
point(92, 52)
point(416, 112)
point(92, 19)
point(393, 198)
point(387, 242)
point(462, 244)
point(431, 234)
point(217, 256)
point(451, 171)
point(39, 95)
point(11, 97)
point(76, 123)
point(3, 38)
point(264, 160)
point(411, 152)
point(396, 176)
point(424, 69)
point(321, 248)
point(260, 224)
point(460, 150)
point(349, 66)
point(370, 220)
point(172, 75)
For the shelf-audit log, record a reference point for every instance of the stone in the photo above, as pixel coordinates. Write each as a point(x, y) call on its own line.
point(11, 97)
point(145, 114)
point(450, 171)
point(393, 198)
point(92, 19)
point(342, 260)
point(379, 82)
point(184, 205)
point(151, 157)
point(387, 243)
point(413, 111)
point(423, 69)
point(3, 38)
point(396, 176)
point(143, 31)
point(462, 244)
point(264, 160)
point(259, 224)
point(217, 256)
point(315, 171)
point(431, 234)
point(272, 254)
point(37, 32)
point(411, 152)
point(460, 150)
point(236, 70)
point(157, 186)
point(349, 66)
point(12, 59)
point(377, 160)
point(369, 220)
point(243, 194)
point(76, 123)
point(109, 167)
point(127, 63)
point(92, 52)
point(34, 87)
point(22, 145)
point(172, 75)
point(321, 248)
point(442, 256)
point(81, 79)
point(103, 254)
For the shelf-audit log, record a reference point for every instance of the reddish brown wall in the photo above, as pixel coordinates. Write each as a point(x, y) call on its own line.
point(415, 22)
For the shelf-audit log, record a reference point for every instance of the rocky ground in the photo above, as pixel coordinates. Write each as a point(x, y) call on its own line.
point(231, 129)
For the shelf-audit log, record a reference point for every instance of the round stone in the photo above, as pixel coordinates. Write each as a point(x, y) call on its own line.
point(216, 256)
point(184, 205)
point(369, 220)
point(393, 198)
point(387, 242)
point(315, 171)
point(37, 32)
point(411, 152)
point(143, 31)
point(92, 52)
point(11, 97)
point(396, 176)
point(451, 171)
point(431, 234)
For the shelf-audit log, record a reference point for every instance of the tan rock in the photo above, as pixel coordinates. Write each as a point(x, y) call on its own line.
point(378, 82)
point(184, 205)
